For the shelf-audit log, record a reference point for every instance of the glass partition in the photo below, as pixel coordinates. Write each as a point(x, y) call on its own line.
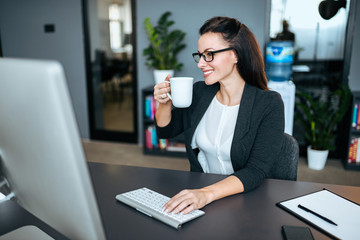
point(112, 75)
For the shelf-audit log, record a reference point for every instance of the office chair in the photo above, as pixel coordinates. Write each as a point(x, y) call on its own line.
point(285, 166)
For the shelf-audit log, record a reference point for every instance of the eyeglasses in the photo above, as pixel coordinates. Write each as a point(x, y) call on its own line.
point(208, 56)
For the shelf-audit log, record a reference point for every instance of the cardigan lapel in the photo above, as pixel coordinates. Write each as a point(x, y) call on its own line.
point(203, 103)
point(245, 109)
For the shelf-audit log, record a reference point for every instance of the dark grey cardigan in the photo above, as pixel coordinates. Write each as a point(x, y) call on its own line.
point(258, 133)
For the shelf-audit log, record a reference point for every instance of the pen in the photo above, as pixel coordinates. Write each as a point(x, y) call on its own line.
point(316, 214)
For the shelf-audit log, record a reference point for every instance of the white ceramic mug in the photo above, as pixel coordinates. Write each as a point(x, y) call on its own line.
point(181, 91)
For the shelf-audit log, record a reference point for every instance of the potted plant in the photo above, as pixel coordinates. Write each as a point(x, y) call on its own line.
point(165, 44)
point(319, 117)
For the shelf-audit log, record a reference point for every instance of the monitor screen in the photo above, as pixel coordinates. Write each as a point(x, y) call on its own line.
point(41, 150)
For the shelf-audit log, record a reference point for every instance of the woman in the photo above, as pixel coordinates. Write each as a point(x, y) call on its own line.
point(234, 125)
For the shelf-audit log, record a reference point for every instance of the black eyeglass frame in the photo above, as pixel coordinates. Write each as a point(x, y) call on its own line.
point(211, 52)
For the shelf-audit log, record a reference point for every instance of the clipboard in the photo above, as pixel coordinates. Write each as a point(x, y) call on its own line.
point(344, 212)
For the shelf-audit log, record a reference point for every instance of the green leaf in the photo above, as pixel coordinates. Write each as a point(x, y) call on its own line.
point(320, 117)
point(164, 44)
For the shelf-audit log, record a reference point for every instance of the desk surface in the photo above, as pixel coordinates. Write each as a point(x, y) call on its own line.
point(12, 217)
point(251, 215)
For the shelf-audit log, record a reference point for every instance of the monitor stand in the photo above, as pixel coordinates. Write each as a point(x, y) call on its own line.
point(5, 192)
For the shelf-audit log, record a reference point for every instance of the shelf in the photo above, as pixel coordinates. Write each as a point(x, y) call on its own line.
point(354, 131)
point(151, 144)
point(351, 166)
point(148, 121)
point(148, 90)
point(354, 135)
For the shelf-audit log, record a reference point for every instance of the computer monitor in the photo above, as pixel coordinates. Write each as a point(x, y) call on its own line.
point(41, 151)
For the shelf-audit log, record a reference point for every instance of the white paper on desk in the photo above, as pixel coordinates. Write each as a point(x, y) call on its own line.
point(343, 212)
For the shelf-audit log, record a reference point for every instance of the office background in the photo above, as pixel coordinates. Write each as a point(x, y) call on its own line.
point(22, 36)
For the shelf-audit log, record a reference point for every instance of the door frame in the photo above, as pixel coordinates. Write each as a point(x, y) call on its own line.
point(102, 134)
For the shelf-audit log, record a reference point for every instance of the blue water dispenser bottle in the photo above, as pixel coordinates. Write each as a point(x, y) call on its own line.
point(279, 62)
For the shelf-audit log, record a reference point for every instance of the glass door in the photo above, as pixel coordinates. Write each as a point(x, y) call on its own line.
point(111, 65)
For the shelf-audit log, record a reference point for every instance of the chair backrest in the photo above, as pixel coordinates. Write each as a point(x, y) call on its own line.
point(286, 165)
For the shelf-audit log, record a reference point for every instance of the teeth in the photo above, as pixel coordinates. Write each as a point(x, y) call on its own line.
point(208, 72)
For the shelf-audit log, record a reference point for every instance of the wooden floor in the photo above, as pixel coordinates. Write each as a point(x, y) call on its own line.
point(132, 155)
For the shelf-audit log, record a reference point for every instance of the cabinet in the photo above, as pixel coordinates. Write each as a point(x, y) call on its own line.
point(152, 145)
point(353, 156)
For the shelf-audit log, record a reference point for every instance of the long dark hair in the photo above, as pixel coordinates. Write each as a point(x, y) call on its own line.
point(250, 63)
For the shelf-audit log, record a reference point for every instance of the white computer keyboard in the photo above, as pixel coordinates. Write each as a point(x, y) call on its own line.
point(151, 203)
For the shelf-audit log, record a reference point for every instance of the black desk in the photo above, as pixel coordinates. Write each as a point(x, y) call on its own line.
point(12, 216)
point(244, 216)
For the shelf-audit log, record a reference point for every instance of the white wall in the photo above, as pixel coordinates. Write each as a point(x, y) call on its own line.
point(22, 35)
point(189, 16)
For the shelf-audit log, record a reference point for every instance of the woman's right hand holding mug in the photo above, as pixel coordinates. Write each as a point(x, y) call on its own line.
point(161, 90)
point(163, 112)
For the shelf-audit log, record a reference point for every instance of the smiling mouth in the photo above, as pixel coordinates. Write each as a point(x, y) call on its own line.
point(207, 73)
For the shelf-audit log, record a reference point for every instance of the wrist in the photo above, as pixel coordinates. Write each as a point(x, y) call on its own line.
point(209, 193)
point(163, 115)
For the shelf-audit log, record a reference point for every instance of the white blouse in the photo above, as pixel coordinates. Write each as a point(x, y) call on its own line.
point(213, 136)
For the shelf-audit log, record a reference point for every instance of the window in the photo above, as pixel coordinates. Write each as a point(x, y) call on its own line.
point(115, 26)
point(318, 39)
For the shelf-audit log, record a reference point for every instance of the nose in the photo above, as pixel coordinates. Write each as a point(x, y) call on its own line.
point(201, 63)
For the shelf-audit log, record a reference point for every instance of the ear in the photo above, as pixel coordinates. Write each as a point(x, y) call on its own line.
point(234, 56)
point(235, 59)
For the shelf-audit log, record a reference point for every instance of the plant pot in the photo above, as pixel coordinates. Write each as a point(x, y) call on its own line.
point(316, 158)
point(160, 75)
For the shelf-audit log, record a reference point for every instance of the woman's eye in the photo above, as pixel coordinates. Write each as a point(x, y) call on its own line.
point(208, 55)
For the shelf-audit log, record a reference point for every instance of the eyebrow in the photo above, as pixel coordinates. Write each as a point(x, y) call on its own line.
point(206, 50)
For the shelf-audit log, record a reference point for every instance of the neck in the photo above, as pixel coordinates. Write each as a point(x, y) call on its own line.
point(231, 91)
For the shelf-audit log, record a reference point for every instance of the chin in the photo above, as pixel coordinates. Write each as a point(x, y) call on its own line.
point(209, 81)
